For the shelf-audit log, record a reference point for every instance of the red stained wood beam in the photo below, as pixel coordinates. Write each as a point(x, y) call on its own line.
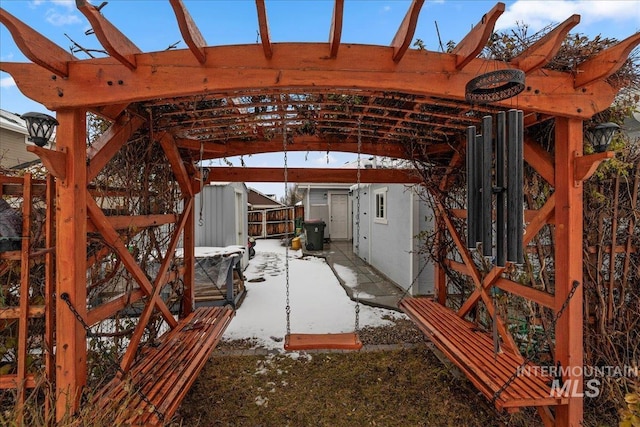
point(329, 175)
point(402, 39)
point(605, 63)
point(16, 189)
point(108, 309)
point(177, 165)
point(54, 161)
point(14, 312)
point(543, 298)
point(113, 239)
point(585, 166)
point(569, 351)
point(23, 324)
point(39, 49)
point(11, 381)
point(108, 144)
point(336, 28)
point(154, 298)
point(189, 30)
point(263, 24)
point(305, 143)
point(541, 52)
point(110, 112)
point(473, 43)
point(71, 269)
point(114, 42)
point(480, 291)
point(529, 215)
point(299, 66)
point(123, 222)
point(540, 160)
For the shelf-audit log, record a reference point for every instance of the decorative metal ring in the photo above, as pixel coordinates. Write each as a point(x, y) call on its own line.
point(495, 86)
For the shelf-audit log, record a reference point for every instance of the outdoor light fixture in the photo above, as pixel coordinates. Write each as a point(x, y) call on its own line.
point(601, 136)
point(40, 127)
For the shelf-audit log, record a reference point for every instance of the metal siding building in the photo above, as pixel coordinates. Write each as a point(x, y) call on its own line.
point(223, 218)
point(390, 245)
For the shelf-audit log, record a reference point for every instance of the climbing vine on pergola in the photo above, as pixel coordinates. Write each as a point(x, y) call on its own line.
point(219, 101)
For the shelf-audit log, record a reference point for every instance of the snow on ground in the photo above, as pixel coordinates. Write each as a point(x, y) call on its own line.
point(318, 302)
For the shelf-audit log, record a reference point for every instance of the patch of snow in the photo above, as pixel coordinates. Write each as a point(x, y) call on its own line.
point(318, 302)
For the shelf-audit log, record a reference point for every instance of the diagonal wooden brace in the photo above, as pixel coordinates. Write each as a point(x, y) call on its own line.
point(113, 239)
point(481, 285)
point(154, 299)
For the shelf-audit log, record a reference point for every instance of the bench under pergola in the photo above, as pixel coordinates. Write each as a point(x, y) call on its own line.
point(208, 102)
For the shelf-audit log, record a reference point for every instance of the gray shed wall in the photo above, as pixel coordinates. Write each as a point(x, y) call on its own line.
point(218, 226)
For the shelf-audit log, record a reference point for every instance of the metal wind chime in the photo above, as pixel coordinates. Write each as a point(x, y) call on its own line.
point(506, 184)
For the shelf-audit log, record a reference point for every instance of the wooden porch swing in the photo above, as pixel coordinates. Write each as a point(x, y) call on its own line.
point(219, 101)
point(319, 341)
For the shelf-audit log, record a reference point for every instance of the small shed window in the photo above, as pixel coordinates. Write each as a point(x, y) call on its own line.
point(381, 205)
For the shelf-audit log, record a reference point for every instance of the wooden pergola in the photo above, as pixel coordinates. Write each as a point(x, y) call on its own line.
point(207, 102)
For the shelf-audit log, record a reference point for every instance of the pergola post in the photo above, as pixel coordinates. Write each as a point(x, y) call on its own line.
point(568, 258)
point(71, 254)
point(188, 244)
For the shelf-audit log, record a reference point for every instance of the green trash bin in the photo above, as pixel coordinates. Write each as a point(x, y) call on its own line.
point(314, 231)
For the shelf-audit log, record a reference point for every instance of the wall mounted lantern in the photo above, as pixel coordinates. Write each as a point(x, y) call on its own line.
point(40, 127)
point(601, 136)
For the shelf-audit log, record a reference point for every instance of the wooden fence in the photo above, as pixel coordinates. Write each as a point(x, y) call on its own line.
point(275, 222)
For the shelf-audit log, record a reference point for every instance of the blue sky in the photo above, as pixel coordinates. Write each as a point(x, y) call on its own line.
point(151, 25)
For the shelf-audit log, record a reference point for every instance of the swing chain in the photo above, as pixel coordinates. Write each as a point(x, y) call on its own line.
point(357, 325)
point(201, 220)
point(65, 297)
point(286, 237)
point(357, 328)
point(358, 188)
point(526, 360)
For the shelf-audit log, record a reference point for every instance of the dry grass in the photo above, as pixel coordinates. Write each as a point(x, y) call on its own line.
point(408, 387)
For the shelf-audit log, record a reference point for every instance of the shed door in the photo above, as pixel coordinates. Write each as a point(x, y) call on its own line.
point(338, 226)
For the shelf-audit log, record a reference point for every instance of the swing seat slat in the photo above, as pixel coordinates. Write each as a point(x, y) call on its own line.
point(472, 351)
point(341, 341)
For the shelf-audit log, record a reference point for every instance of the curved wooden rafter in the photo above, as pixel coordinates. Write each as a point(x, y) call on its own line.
point(473, 43)
point(36, 47)
point(542, 51)
point(297, 66)
point(605, 63)
point(335, 34)
point(263, 23)
point(189, 30)
point(114, 42)
point(403, 37)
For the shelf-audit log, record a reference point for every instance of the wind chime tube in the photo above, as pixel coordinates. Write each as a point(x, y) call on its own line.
point(513, 216)
point(500, 186)
point(477, 171)
point(520, 186)
point(487, 188)
point(471, 188)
